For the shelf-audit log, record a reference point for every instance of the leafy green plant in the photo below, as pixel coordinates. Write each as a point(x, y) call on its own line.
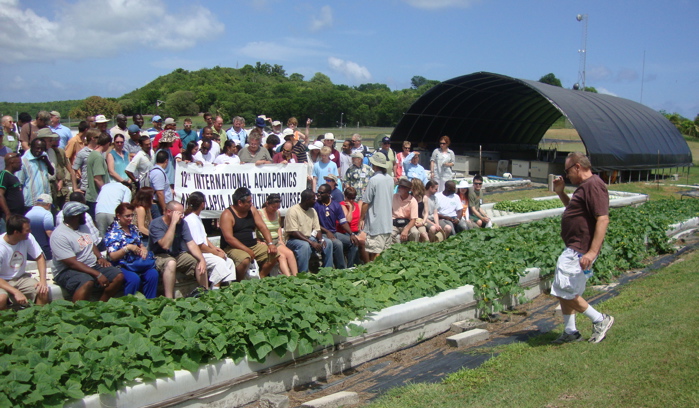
point(526, 205)
point(64, 351)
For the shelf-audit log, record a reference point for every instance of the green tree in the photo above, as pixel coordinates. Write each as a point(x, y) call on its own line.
point(96, 105)
point(181, 103)
point(550, 79)
point(591, 89)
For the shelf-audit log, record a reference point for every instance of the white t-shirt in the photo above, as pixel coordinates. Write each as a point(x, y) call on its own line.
point(448, 206)
point(196, 228)
point(13, 258)
point(215, 148)
point(226, 159)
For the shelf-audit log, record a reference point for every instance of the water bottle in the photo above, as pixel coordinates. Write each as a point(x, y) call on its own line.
point(588, 272)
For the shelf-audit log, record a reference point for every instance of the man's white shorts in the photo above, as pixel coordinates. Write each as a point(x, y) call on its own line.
point(569, 280)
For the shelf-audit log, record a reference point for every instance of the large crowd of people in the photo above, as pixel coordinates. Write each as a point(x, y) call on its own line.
point(101, 206)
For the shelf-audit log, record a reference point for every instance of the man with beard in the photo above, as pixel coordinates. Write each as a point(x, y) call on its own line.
point(78, 266)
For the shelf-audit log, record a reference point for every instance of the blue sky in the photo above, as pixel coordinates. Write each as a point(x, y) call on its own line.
point(68, 49)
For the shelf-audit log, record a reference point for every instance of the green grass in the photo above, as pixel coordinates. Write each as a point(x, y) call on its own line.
point(649, 358)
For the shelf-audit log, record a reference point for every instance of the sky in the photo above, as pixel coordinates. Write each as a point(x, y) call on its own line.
point(71, 49)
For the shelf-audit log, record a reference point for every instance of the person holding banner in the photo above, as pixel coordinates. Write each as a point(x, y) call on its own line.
point(238, 224)
point(253, 153)
point(228, 156)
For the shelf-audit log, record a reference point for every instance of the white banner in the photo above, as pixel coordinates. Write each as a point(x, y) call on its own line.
point(218, 183)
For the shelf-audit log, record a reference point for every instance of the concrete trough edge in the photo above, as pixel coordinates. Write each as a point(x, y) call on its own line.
point(388, 330)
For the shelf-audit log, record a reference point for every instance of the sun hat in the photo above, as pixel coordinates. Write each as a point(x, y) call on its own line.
point(101, 119)
point(379, 159)
point(463, 184)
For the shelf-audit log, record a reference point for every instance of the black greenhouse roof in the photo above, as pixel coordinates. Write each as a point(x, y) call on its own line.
point(508, 114)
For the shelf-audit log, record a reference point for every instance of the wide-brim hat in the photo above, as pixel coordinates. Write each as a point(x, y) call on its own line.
point(46, 132)
point(404, 182)
point(463, 184)
point(101, 119)
point(168, 136)
point(379, 159)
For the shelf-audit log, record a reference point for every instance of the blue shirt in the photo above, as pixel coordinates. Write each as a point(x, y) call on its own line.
point(34, 176)
point(111, 195)
point(412, 171)
point(187, 137)
point(157, 230)
point(41, 221)
point(64, 134)
point(330, 215)
point(160, 182)
point(320, 170)
point(116, 238)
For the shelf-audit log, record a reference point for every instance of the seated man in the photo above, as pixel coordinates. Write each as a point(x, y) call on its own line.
point(335, 191)
point(175, 250)
point(238, 225)
point(302, 231)
point(41, 221)
point(78, 266)
point(475, 199)
point(15, 282)
point(404, 212)
point(449, 208)
point(330, 214)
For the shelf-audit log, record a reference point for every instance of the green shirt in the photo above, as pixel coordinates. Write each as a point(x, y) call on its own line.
point(96, 166)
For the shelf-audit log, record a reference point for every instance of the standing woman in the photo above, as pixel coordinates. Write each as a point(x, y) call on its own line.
point(125, 249)
point(117, 160)
point(441, 163)
point(271, 217)
point(142, 202)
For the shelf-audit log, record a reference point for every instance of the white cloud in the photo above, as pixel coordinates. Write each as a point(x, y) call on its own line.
point(100, 28)
point(440, 4)
point(324, 20)
point(627, 75)
point(605, 91)
point(599, 73)
point(288, 49)
point(351, 70)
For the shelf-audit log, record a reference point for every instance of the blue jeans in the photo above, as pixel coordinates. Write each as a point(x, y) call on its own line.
point(302, 250)
point(347, 246)
point(146, 283)
point(338, 258)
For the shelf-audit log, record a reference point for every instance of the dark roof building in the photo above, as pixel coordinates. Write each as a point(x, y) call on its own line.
point(507, 114)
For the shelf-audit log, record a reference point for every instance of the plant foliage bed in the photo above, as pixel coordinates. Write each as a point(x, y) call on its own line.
point(526, 205)
point(64, 351)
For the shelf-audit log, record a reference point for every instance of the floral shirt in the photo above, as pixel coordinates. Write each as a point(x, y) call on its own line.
point(358, 177)
point(116, 238)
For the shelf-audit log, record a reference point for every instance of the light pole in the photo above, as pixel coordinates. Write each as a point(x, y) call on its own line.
point(341, 115)
point(583, 54)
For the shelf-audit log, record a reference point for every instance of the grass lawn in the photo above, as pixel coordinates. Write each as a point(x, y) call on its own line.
point(649, 358)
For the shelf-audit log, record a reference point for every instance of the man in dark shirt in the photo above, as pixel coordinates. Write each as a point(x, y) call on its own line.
point(174, 249)
point(583, 227)
point(238, 225)
point(11, 196)
point(330, 214)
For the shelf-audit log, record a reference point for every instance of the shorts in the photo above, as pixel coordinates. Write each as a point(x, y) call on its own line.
point(71, 280)
point(186, 263)
point(260, 251)
point(25, 284)
point(375, 244)
point(569, 280)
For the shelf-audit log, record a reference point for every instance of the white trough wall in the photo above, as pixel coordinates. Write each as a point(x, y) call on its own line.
point(228, 384)
point(619, 199)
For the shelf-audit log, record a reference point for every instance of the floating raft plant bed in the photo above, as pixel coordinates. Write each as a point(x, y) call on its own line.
point(269, 335)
